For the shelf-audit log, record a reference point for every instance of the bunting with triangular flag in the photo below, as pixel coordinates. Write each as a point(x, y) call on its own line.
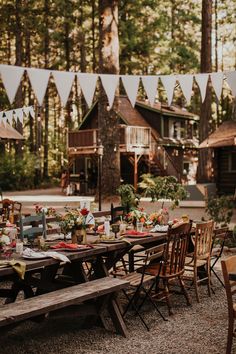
point(131, 84)
point(63, 82)
point(11, 77)
point(150, 84)
point(110, 84)
point(39, 81)
point(87, 83)
point(202, 80)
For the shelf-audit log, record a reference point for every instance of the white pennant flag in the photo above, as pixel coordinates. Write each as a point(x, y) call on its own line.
point(217, 83)
point(19, 113)
point(88, 84)
point(110, 83)
point(11, 77)
point(39, 82)
point(26, 110)
point(202, 80)
point(63, 82)
point(9, 116)
point(4, 120)
point(131, 85)
point(150, 84)
point(31, 111)
point(169, 85)
point(186, 83)
point(231, 79)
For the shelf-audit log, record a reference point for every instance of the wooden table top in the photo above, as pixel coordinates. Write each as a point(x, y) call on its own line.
point(98, 249)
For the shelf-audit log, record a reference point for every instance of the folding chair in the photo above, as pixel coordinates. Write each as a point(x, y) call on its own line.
point(220, 235)
point(141, 279)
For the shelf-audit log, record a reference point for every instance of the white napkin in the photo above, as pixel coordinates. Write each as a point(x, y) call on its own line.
point(29, 253)
point(159, 228)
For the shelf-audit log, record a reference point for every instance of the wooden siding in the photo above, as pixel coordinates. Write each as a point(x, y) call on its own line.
point(226, 179)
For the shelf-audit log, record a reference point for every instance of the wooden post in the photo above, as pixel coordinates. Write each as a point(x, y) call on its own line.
point(135, 170)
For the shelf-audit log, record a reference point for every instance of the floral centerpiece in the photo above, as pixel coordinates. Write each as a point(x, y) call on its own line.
point(136, 215)
point(4, 239)
point(160, 217)
point(49, 211)
point(73, 220)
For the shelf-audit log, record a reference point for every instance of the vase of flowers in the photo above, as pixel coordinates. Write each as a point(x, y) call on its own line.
point(136, 215)
point(160, 217)
point(74, 221)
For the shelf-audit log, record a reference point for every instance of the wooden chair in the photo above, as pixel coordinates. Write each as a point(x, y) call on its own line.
point(229, 266)
point(141, 281)
point(220, 235)
point(199, 263)
point(36, 226)
point(172, 267)
point(117, 213)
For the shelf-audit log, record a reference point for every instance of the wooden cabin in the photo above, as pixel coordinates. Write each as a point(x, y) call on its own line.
point(161, 140)
point(223, 142)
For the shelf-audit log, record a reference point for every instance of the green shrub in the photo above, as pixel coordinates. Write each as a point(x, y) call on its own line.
point(159, 187)
point(17, 173)
point(220, 209)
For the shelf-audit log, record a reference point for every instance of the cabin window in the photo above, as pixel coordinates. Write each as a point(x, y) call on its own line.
point(232, 162)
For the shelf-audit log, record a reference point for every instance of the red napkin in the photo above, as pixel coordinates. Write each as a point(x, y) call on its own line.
point(70, 246)
point(136, 233)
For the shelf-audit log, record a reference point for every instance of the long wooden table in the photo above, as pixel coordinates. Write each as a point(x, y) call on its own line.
point(98, 250)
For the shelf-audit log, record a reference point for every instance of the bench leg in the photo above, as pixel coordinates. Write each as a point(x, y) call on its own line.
point(117, 318)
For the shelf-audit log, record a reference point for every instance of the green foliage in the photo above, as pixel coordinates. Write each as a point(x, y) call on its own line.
point(129, 199)
point(17, 174)
point(220, 209)
point(159, 187)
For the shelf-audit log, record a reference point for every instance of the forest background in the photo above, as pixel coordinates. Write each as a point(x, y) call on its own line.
point(155, 37)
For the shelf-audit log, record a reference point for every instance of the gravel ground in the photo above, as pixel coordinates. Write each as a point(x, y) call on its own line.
point(201, 328)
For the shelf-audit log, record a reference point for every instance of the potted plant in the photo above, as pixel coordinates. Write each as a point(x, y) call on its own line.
point(129, 198)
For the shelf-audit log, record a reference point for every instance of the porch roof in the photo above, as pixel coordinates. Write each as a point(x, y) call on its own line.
point(224, 135)
point(9, 133)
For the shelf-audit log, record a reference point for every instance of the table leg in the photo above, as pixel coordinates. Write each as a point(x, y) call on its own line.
point(116, 317)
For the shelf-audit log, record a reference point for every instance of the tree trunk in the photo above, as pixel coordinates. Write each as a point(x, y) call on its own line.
point(46, 65)
point(108, 122)
point(205, 160)
point(18, 53)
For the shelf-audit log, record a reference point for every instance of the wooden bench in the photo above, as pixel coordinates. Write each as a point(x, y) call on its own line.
point(102, 290)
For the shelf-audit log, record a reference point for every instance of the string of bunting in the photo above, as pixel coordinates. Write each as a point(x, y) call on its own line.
point(11, 77)
point(15, 114)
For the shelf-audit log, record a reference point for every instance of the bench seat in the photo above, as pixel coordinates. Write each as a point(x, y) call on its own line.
point(73, 295)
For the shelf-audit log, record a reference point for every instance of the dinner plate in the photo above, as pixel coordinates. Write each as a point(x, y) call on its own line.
point(110, 241)
point(137, 236)
point(71, 249)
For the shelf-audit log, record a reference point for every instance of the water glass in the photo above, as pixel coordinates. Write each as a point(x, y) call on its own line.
point(139, 226)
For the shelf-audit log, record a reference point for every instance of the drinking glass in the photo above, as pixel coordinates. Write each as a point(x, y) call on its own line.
point(139, 226)
point(115, 228)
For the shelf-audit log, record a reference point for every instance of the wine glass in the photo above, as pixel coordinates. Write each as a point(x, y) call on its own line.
point(115, 228)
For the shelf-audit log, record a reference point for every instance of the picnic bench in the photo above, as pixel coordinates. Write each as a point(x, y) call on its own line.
point(102, 291)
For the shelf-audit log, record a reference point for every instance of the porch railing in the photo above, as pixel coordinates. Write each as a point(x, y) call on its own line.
point(130, 138)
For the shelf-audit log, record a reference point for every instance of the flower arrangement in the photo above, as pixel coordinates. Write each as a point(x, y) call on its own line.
point(73, 219)
point(160, 217)
point(136, 215)
point(4, 239)
point(49, 211)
